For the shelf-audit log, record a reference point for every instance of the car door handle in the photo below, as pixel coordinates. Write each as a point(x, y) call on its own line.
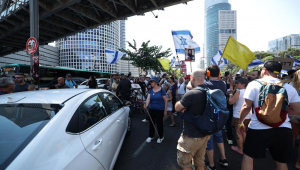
point(118, 121)
point(97, 144)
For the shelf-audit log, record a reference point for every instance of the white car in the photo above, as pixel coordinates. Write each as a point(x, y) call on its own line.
point(62, 129)
point(100, 81)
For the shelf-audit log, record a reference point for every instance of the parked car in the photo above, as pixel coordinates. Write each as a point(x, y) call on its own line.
point(100, 81)
point(62, 129)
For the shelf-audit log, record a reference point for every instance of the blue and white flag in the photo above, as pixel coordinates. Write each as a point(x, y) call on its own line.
point(216, 60)
point(113, 56)
point(296, 64)
point(183, 39)
point(256, 63)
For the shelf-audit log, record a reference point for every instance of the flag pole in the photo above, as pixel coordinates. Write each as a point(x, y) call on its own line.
point(179, 63)
point(191, 66)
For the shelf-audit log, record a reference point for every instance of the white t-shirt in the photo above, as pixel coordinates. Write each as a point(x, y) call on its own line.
point(252, 91)
point(298, 90)
point(181, 88)
point(238, 105)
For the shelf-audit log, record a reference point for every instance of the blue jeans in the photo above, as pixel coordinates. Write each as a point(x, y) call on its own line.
point(218, 137)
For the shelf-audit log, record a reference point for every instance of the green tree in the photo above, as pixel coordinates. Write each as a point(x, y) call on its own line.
point(290, 52)
point(177, 72)
point(267, 58)
point(146, 56)
point(262, 55)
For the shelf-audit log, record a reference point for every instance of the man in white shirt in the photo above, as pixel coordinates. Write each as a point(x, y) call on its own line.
point(279, 141)
point(181, 88)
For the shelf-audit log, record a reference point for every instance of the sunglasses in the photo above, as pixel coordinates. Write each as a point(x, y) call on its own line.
point(18, 77)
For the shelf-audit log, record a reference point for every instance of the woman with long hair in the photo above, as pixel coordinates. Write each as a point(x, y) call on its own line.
point(170, 105)
point(157, 103)
point(92, 83)
point(295, 119)
point(173, 88)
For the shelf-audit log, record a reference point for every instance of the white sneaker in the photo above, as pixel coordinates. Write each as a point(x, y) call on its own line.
point(145, 120)
point(159, 140)
point(148, 140)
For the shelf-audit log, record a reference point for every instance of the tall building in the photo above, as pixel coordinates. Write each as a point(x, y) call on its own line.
point(220, 23)
point(283, 43)
point(86, 50)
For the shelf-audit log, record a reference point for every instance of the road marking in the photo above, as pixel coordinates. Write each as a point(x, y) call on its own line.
point(139, 150)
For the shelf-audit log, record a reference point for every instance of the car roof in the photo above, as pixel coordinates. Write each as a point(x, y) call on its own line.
point(55, 96)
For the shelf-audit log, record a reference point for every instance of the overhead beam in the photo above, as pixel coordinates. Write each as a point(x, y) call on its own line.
point(10, 21)
point(60, 23)
point(72, 18)
point(87, 12)
point(154, 3)
point(101, 4)
point(18, 16)
point(129, 4)
point(52, 28)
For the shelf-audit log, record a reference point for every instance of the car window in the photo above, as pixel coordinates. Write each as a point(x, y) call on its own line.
point(91, 112)
point(19, 124)
point(113, 102)
point(102, 81)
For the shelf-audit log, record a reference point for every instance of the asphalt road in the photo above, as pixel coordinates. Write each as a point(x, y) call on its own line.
point(136, 154)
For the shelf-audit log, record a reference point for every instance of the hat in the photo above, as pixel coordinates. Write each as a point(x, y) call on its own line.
point(148, 76)
point(242, 81)
point(122, 74)
point(168, 84)
point(154, 79)
point(68, 75)
point(187, 77)
point(273, 66)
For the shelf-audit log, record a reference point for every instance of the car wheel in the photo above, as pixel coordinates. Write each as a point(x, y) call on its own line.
point(129, 126)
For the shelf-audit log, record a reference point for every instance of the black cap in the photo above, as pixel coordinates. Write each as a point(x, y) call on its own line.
point(273, 66)
point(122, 74)
point(242, 81)
point(68, 75)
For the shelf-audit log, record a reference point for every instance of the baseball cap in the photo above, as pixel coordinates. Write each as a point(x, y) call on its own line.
point(68, 75)
point(242, 81)
point(122, 74)
point(148, 76)
point(187, 77)
point(273, 66)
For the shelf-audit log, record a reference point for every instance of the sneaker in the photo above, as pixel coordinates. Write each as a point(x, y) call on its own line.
point(222, 162)
point(230, 142)
point(145, 120)
point(148, 140)
point(208, 167)
point(159, 140)
point(174, 114)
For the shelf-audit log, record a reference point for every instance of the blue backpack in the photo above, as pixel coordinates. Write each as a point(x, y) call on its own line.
point(215, 114)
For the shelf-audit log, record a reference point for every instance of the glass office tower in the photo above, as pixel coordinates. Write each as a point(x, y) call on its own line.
point(283, 43)
point(212, 8)
point(86, 50)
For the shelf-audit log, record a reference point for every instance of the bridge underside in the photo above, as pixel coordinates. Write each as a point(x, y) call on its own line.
point(59, 18)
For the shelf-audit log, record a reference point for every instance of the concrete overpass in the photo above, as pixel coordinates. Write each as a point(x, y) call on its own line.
point(59, 18)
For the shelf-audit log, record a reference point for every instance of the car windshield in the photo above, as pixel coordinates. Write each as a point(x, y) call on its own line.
point(19, 124)
point(102, 81)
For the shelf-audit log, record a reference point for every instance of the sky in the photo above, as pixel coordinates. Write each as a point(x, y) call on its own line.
point(258, 22)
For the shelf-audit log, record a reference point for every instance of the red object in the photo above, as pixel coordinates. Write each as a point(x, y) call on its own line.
point(188, 77)
point(283, 114)
point(31, 45)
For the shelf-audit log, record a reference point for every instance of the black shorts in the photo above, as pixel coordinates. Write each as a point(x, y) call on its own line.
point(278, 140)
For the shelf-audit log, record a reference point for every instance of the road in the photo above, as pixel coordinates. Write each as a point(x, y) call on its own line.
point(136, 154)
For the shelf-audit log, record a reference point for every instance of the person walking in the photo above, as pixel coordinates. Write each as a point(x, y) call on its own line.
point(61, 83)
point(21, 85)
point(157, 103)
point(92, 83)
point(7, 85)
point(213, 74)
point(170, 105)
point(124, 88)
point(192, 144)
point(69, 82)
point(237, 99)
point(173, 89)
point(260, 136)
point(181, 88)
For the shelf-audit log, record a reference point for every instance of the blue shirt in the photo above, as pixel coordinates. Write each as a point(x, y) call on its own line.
point(216, 84)
point(70, 83)
point(156, 99)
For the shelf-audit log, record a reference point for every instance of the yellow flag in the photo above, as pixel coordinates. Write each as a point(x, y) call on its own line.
point(164, 62)
point(238, 53)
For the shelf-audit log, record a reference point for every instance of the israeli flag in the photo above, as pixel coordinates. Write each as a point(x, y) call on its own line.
point(183, 39)
point(256, 63)
point(216, 60)
point(296, 64)
point(113, 56)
